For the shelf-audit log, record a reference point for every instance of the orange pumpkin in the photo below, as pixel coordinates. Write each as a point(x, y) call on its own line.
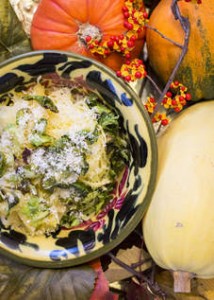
point(66, 24)
point(197, 68)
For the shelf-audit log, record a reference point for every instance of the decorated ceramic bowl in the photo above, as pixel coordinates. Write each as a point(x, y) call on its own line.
point(54, 211)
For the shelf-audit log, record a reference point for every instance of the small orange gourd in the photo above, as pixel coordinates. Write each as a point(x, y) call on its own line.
point(67, 24)
point(197, 68)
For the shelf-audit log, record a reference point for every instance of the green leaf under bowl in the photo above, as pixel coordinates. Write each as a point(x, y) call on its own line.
point(18, 282)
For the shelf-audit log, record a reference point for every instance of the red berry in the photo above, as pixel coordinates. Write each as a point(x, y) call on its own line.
point(117, 40)
point(88, 38)
point(113, 37)
point(169, 94)
point(133, 38)
point(128, 55)
point(136, 21)
point(152, 100)
point(145, 15)
point(118, 73)
point(138, 75)
point(110, 44)
point(177, 109)
point(126, 14)
point(127, 78)
point(188, 97)
point(128, 25)
point(130, 44)
point(164, 122)
point(106, 52)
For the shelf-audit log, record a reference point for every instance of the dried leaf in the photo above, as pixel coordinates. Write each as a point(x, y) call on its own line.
point(205, 288)
point(129, 256)
point(19, 282)
point(13, 40)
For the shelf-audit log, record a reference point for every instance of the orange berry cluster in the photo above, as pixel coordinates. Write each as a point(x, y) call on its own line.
point(132, 70)
point(174, 100)
point(150, 104)
point(135, 18)
point(162, 118)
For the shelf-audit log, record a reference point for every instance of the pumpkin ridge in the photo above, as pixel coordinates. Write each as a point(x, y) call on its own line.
point(103, 17)
point(65, 40)
point(64, 11)
point(53, 31)
point(112, 26)
point(57, 32)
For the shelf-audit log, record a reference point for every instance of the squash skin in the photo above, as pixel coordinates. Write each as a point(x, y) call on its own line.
point(197, 68)
point(56, 23)
point(178, 227)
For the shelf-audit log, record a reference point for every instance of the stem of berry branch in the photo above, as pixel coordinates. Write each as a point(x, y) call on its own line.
point(138, 275)
point(140, 263)
point(126, 267)
point(151, 284)
point(163, 36)
point(152, 81)
point(186, 27)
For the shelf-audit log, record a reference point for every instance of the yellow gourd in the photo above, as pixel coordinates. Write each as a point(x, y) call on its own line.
point(178, 227)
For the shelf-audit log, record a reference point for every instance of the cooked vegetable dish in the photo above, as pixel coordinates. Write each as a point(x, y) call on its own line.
point(61, 152)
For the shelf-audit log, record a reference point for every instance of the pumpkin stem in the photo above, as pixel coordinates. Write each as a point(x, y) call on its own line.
point(87, 30)
point(182, 281)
